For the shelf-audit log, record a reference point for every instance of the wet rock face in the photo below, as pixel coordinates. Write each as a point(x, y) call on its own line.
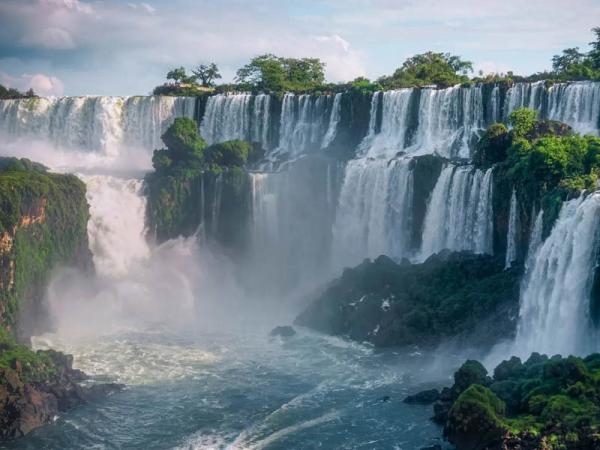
point(451, 296)
point(27, 405)
point(285, 331)
point(424, 397)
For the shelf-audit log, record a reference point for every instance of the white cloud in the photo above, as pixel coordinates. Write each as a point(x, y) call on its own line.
point(51, 38)
point(42, 84)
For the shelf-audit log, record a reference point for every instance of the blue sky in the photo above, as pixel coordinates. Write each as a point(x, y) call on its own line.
point(112, 47)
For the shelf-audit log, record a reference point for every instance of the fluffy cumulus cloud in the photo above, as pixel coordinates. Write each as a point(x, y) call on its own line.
point(125, 47)
point(41, 83)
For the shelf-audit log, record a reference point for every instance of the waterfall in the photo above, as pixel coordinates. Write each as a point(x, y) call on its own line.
point(374, 211)
point(525, 95)
point(459, 213)
point(265, 225)
point(554, 314)
point(334, 120)
point(444, 122)
point(304, 122)
point(237, 116)
point(116, 228)
point(391, 137)
point(535, 238)
point(104, 125)
point(373, 114)
point(511, 236)
point(576, 104)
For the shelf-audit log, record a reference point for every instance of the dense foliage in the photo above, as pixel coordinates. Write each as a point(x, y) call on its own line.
point(447, 296)
point(43, 223)
point(12, 93)
point(276, 74)
point(550, 403)
point(34, 366)
point(430, 68)
point(192, 179)
point(573, 64)
point(544, 160)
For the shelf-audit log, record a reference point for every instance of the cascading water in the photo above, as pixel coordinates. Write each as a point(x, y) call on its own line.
point(104, 125)
point(555, 307)
point(374, 211)
point(441, 121)
point(334, 121)
point(511, 236)
point(576, 104)
point(535, 238)
point(117, 225)
point(459, 214)
point(305, 120)
point(237, 116)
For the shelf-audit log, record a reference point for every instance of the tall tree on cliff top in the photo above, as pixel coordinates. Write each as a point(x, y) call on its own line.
point(277, 74)
point(207, 74)
point(441, 69)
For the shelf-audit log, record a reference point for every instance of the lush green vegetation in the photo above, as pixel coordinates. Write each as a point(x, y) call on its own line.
point(440, 69)
point(190, 176)
point(544, 160)
point(43, 222)
point(550, 403)
point(276, 74)
point(447, 296)
point(33, 366)
point(180, 83)
point(11, 93)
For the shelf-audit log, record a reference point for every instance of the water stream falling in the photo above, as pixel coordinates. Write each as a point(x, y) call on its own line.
point(104, 125)
point(459, 215)
point(374, 211)
point(511, 235)
point(555, 297)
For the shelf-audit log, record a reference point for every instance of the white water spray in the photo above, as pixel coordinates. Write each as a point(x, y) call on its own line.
point(555, 296)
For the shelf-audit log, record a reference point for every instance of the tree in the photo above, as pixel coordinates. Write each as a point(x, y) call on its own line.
point(183, 140)
point(178, 75)
point(441, 69)
point(207, 73)
point(523, 121)
point(570, 57)
point(273, 73)
point(594, 54)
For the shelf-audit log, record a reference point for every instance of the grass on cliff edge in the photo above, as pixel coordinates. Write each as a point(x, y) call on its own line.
point(35, 366)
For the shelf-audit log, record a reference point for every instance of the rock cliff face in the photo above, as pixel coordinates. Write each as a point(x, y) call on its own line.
point(43, 225)
point(450, 296)
point(36, 386)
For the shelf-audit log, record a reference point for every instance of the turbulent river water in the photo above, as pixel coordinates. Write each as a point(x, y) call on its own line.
point(242, 390)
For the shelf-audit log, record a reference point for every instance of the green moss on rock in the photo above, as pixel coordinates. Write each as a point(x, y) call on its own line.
point(458, 295)
point(549, 403)
point(43, 224)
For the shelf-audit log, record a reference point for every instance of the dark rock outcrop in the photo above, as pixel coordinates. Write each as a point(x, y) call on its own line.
point(424, 397)
point(285, 331)
point(460, 296)
point(36, 386)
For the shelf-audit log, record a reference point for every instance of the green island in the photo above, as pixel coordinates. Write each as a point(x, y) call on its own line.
point(542, 403)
